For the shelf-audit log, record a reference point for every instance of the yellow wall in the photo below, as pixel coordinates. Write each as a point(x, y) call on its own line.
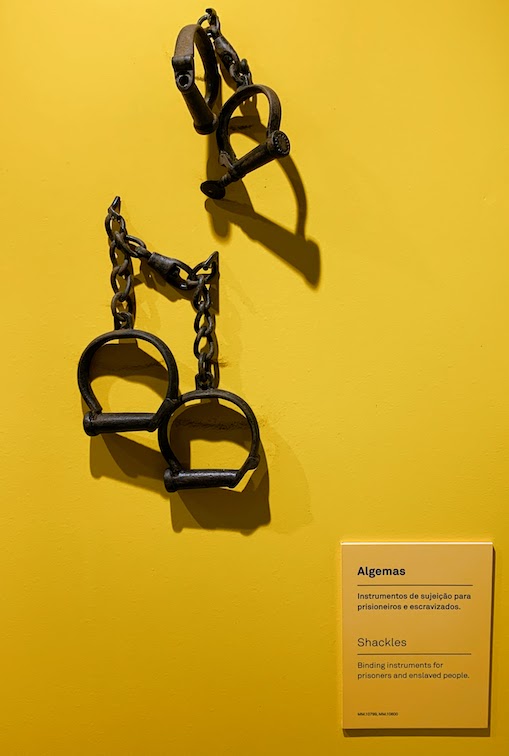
point(372, 345)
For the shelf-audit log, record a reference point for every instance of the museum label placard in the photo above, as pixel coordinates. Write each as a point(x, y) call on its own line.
point(416, 634)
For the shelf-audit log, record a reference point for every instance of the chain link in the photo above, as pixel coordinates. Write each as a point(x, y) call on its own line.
point(205, 343)
point(123, 303)
point(123, 247)
point(214, 24)
point(237, 68)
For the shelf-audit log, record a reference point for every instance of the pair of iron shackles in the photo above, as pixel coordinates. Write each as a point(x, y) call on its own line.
point(185, 278)
point(212, 47)
point(176, 477)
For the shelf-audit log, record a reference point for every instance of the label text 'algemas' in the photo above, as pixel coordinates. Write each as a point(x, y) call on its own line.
point(372, 572)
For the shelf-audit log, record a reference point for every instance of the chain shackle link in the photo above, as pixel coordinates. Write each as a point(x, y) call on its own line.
point(237, 68)
point(214, 25)
point(205, 341)
point(123, 304)
point(123, 247)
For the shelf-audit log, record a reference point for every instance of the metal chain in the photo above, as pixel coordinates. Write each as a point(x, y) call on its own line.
point(237, 68)
point(123, 303)
point(205, 344)
point(123, 247)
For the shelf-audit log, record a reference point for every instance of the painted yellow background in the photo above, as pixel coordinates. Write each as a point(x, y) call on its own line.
point(369, 334)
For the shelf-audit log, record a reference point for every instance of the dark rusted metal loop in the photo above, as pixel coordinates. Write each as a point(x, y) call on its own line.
point(203, 331)
point(211, 263)
point(130, 245)
point(214, 25)
point(200, 107)
point(204, 356)
point(108, 223)
point(113, 215)
point(119, 271)
point(176, 478)
point(123, 319)
point(96, 421)
point(276, 145)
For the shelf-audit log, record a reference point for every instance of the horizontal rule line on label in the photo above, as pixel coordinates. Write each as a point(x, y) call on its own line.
point(415, 585)
point(408, 653)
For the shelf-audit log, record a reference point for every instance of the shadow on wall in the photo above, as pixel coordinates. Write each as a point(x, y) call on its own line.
point(299, 252)
point(129, 461)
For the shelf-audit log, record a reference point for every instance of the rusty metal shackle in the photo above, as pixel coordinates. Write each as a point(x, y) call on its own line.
point(276, 145)
point(200, 107)
point(176, 478)
point(96, 421)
